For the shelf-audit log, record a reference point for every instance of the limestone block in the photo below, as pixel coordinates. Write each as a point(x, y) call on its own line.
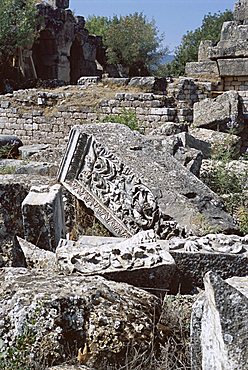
point(227, 255)
point(131, 186)
point(169, 128)
point(220, 113)
point(190, 158)
point(86, 81)
point(139, 261)
point(229, 49)
point(233, 32)
point(67, 315)
point(36, 258)
point(219, 325)
point(213, 138)
point(43, 216)
point(202, 69)
point(241, 11)
point(28, 150)
point(149, 83)
point(203, 51)
point(233, 67)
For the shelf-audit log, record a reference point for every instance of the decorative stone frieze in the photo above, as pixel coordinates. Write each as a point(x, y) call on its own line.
point(132, 186)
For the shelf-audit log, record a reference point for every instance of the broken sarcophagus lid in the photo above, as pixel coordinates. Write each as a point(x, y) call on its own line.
point(130, 185)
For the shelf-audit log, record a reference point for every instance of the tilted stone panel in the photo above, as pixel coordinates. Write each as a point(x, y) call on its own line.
point(131, 186)
point(219, 325)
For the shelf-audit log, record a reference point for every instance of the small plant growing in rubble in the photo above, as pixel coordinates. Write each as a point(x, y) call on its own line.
point(228, 184)
point(126, 117)
point(6, 151)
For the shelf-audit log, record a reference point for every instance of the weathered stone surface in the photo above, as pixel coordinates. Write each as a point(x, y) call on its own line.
point(222, 112)
point(190, 141)
point(169, 128)
point(203, 51)
point(21, 167)
point(190, 158)
point(220, 243)
point(37, 258)
point(115, 81)
point(233, 67)
point(212, 140)
point(202, 69)
point(86, 81)
point(240, 13)
point(176, 145)
point(225, 254)
point(220, 325)
point(139, 261)
point(28, 150)
point(43, 216)
point(149, 83)
point(73, 315)
point(13, 190)
point(131, 186)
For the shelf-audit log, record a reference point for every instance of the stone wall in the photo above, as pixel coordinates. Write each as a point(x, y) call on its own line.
point(47, 116)
point(239, 83)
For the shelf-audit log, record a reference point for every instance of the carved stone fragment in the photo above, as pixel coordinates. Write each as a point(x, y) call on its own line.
point(132, 186)
point(139, 261)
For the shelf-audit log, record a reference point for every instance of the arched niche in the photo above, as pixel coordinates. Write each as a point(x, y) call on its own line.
point(45, 56)
point(77, 61)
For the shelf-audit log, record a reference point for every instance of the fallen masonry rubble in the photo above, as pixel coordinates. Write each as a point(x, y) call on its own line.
point(114, 252)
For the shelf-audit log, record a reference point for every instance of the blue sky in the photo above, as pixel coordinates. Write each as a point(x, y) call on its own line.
point(173, 17)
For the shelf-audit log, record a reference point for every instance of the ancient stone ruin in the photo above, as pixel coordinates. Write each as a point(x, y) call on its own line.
point(63, 50)
point(226, 61)
point(124, 247)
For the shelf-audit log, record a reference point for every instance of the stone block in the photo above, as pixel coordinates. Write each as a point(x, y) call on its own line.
point(43, 216)
point(130, 185)
point(219, 325)
point(233, 67)
point(203, 51)
point(149, 83)
point(67, 314)
point(139, 261)
point(220, 113)
point(240, 13)
point(202, 69)
point(212, 139)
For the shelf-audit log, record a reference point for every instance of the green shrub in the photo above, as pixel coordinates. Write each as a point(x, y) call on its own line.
point(126, 117)
point(225, 182)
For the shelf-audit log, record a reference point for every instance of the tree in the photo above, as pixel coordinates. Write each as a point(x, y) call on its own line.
point(131, 41)
point(97, 25)
point(187, 51)
point(17, 27)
